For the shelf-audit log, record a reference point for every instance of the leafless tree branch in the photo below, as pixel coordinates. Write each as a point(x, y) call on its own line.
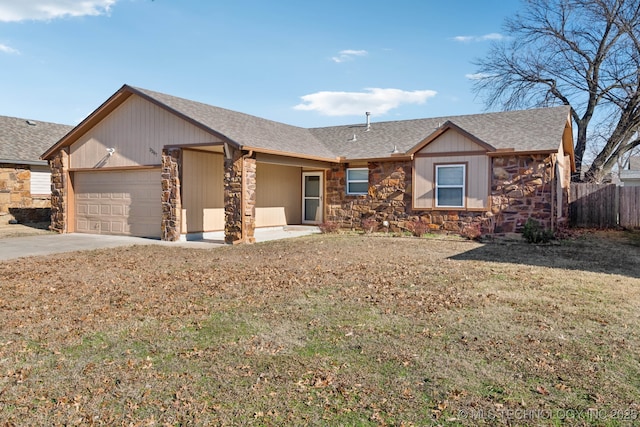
point(581, 53)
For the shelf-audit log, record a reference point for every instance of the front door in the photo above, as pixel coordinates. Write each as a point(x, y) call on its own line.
point(311, 197)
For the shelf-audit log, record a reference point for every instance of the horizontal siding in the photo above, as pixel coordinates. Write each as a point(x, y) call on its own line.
point(278, 195)
point(477, 180)
point(138, 130)
point(451, 142)
point(202, 191)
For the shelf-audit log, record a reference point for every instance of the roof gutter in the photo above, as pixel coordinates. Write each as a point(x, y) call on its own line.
point(25, 162)
point(512, 152)
point(392, 158)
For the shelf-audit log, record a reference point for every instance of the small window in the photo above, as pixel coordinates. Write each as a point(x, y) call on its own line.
point(358, 181)
point(40, 180)
point(450, 186)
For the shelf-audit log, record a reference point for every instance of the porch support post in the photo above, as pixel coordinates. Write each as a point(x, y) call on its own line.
point(239, 196)
point(249, 198)
point(59, 191)
point(171, 200)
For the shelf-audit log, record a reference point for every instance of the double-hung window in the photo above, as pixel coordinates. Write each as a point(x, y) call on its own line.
point(450, 186)
point(357, 181)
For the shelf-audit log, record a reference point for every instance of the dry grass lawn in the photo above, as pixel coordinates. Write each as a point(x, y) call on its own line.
point(325, 330)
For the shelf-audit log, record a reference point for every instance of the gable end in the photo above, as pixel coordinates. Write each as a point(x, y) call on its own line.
point(460, 139)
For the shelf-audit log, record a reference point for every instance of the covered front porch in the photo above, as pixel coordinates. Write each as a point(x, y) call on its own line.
point(215, 191)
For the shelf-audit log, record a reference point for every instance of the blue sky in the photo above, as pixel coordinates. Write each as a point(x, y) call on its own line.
point(300, 62)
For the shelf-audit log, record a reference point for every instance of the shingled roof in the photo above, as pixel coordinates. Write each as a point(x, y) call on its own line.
point(244, 129)
point(23, 141)
point(526, 130)
point(521, 131)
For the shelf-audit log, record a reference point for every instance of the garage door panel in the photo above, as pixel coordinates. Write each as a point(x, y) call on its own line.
point(118, 202)
point(119, 210)
point(82, 226)
point(117, 227)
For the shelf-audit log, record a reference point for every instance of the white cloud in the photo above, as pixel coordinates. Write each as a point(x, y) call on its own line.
point(43, 10)
point(486, 37)
point(348, 55)
point(8, 49)
point(463, 39)
point(376, 100)
point(477, 76)
point(492, 36)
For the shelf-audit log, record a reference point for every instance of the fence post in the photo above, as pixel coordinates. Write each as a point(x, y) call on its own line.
point(617, 205)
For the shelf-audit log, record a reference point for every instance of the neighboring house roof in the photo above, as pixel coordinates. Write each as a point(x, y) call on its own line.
point(634, 163)
point(522, 131)
point(23, 141)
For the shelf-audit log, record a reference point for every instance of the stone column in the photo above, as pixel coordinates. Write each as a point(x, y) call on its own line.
point(335, 194)
point(171, 200)
point(59, 191)
point(239, 197)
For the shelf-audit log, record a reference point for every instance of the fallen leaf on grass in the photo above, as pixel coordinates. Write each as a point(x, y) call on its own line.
point(562, 387)
point(540, 389)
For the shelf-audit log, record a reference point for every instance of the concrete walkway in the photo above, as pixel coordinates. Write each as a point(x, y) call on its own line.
point(46, 244)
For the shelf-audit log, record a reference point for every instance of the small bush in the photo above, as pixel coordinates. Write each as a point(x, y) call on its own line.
point(417, 227)
point(534, 233)
point(369, 225)
point(472, 232)
point(329, 227)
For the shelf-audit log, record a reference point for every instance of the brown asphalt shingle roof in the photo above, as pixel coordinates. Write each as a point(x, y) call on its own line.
point(526, 130)
point(21, 141)
point(244, 129)
point(521, 131)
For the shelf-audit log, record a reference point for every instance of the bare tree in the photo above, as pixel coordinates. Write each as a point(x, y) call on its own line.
point(581, 53)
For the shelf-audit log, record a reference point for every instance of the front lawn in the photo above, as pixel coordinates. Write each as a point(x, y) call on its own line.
point(325, 330)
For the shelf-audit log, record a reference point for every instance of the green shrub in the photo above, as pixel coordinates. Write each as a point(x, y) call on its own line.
point(533, 232)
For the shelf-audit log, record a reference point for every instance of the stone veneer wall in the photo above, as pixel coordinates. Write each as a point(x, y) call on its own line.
point(171, 201)
point(389, 197)
point(521, 187)
point(59, 167)
point(16, 201)
point(239, 198)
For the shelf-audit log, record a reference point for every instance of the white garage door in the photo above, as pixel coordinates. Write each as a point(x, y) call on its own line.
point(119, 202)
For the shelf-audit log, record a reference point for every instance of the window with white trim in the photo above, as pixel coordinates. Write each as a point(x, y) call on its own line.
point(357, 181)
point(450, 186)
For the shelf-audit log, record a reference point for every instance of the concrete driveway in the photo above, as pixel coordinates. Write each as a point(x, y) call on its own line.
point(47, 244)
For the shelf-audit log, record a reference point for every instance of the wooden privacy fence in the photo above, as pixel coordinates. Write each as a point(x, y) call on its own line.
point(604, 206)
